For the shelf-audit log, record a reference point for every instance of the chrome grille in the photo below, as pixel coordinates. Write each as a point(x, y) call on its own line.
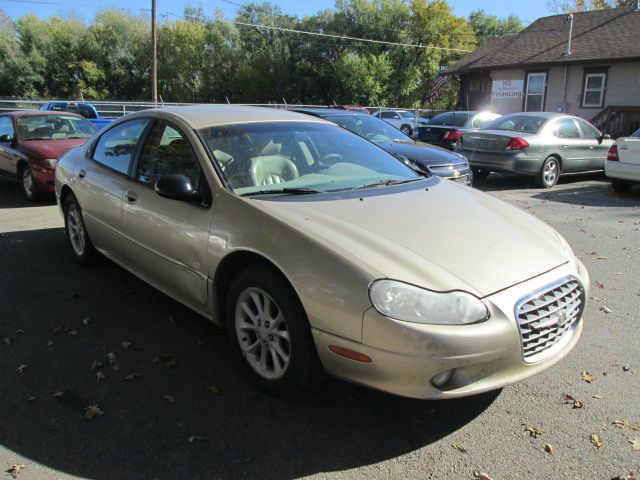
point(547, 317)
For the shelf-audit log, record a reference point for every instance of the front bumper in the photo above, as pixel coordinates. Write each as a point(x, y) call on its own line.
point(522, 162)
point(484, 356)
point(459, 173)
point(44, 177)
point(623, 171)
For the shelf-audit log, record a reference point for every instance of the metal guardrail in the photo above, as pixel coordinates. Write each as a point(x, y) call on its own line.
point(116, 109)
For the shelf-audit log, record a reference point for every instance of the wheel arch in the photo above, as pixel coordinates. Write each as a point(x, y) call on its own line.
point(228, 268)
point(558, 157)
point(64, 194)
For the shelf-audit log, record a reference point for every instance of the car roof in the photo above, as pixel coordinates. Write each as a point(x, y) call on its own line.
point(538, 114)
point(202, 116)
point(29, 113)
point(320, 112)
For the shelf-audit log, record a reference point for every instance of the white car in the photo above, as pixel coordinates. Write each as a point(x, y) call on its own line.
point(403, 120)
point(623, 163)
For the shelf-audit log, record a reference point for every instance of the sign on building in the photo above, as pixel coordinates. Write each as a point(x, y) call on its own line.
point(505, 89)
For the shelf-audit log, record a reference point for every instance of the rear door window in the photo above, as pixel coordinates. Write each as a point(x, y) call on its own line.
point(116, 146)
point(6, 126)
point(566, 128)
point(588, 131)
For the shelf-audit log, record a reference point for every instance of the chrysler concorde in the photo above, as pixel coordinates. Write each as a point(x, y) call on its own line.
point(319, 252)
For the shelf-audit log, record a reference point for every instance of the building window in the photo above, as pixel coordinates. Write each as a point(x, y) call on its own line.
point(536, 89)
point(593, 93)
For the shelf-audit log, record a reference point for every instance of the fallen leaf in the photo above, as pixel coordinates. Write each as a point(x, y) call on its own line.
point(55, 330)
point(31, 399)
point(6, 341)
point(195, 438)
point(626, 424)
point(596, 440)
point(481, 476)
point(72, 331)
point(95, 364)
point(598, 284)
point(577, 403)
point(21, 368)
point(92, 411)
point(533, 431)
point(15, 470)
point(59, 395)
point(213, 389)
point(113, 361)
point(50, 343)
point(548, 448)
point(635, 444)
point(169, 398)
point(100, 376)
point(631, 476)
point(132, 376)
point(626, 368)
point(125, 344)
point(170, 360)
point(21, 332)
point(86, 321)
point(459, 447)
point(605, 309)
point(596, 396)
point(587, 377)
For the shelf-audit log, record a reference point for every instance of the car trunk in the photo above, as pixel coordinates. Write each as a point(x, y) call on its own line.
point(490, 141)
point(629, 150)
point(433, 134)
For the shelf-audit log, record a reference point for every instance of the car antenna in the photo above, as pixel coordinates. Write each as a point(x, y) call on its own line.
point(161, 100)
point(227, 99)
point(286, 106)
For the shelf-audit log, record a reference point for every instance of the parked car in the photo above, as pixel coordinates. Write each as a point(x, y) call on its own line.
point(320, 252)
point(430, 159)
point(403, 120)
point(623, 163)
point(32, 141)
point(445, 129)
point(81, 108)
point(541, 145)
point(356, 108)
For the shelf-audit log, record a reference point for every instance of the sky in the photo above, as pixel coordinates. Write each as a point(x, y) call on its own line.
point(527, 11)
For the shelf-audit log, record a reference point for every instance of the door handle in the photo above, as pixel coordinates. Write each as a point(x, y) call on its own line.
point(591, 147)
point(131, 197)
point(565, 146)
point(82, 173)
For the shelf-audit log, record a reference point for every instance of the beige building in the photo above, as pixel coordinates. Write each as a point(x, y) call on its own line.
point(585, 64)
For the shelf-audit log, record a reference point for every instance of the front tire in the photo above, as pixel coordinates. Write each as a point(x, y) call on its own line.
point(620, 186)
point(270, 334)
point(549, 173)
point(480, 173)
point(81, 245)
point(29, 186)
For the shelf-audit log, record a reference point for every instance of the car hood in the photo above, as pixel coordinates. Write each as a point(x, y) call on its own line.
point(51, 148)
point(445, 237)
point(423, 153)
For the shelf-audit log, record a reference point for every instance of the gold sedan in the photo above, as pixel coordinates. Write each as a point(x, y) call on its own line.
point(320, 252)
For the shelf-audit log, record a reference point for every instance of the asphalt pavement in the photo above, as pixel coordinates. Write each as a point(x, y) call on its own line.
point(167, 402)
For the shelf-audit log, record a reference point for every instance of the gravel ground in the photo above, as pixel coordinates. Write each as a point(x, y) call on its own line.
point(176, 407)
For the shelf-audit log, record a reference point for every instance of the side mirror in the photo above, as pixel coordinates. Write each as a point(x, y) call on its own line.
point(176, 187)
point(6, 138)
point(604, 136)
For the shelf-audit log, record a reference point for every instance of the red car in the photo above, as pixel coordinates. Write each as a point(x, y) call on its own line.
point(32, 141)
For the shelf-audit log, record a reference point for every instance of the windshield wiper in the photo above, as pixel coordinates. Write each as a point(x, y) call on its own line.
point(387, 182)
point(285, 191)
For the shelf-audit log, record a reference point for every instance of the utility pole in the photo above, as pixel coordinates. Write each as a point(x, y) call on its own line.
point(154, 67)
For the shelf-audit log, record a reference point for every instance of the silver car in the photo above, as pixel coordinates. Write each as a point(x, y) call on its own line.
point(623, 163)
point(541, 145)
point(319, 252)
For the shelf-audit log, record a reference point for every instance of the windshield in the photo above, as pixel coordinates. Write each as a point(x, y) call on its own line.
point(452, 119)
point(299, 157)
point(371, 128)
point(517, 123)
point(53, 127)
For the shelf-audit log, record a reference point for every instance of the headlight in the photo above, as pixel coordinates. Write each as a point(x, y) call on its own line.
point(413, 304)
point(51, 162)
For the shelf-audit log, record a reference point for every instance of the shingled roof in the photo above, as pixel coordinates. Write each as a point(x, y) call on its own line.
point(601, 35)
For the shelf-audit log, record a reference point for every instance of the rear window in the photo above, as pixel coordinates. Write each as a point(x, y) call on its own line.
point(636, 134)
point(450, 118)
point(517, 123)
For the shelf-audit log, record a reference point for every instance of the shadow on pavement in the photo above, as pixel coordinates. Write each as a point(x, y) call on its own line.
point(11, 196)
point(508, 181)
point(170, 381)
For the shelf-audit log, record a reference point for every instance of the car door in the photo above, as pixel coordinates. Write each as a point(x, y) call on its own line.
point(167, 239)
point(595, 150)
point(7, 153)
point(570, 144)
point(101, 180)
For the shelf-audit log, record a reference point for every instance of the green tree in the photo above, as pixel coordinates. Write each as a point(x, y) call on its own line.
point(572, 6)
point(486, 26)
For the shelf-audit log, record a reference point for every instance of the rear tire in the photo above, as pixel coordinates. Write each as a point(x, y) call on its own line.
point(29, 186)
point(620, 186)
point(81, 245)
point(270, 334)
point(480, 173)
point(549, 173)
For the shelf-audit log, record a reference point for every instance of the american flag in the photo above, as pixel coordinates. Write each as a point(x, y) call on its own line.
point(437, 85)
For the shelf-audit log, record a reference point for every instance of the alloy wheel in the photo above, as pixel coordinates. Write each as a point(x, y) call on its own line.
point(262, 333)
point(550, 172)
point(76, 232)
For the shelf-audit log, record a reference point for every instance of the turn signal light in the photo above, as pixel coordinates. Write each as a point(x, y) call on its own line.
point(517, 143)
point(612, 154)
point(351, 354)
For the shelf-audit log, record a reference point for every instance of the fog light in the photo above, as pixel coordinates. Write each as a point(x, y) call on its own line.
point(441, 378)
